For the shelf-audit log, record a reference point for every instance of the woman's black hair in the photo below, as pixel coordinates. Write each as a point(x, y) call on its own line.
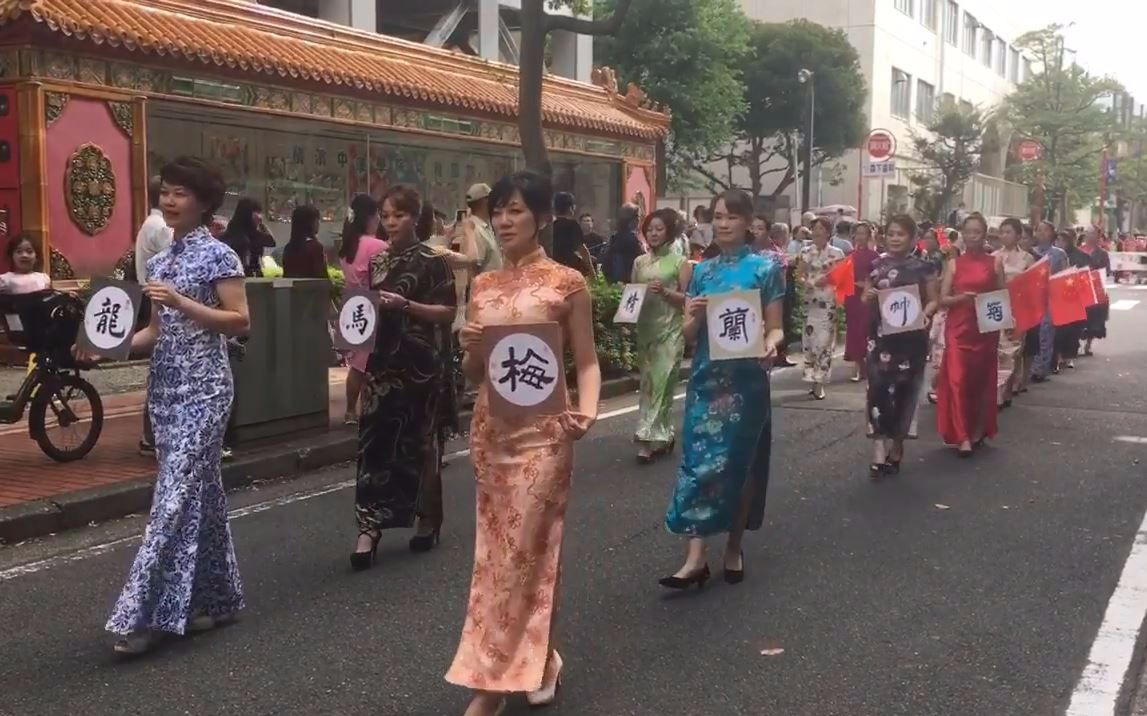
point(828, 225)
point(669, 217)
point(242, 221)
point(564, 202)
point(737, 202)
point(14, 243)
point(405, 198)
point(424, 228)
point(304, 225)
point(904, 222)
point(975, 216)
point(362, 208)
point(536, 190)
point(1016, 225)
point(202, 179)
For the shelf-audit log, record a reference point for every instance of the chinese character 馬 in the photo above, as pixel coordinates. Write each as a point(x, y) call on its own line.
point(108, 322)
point(530, 370)
point(733, 324)
point(631, 301)
point(995, 311)
point(358, 319)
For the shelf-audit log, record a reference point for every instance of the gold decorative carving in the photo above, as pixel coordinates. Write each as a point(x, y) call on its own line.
point(90, 189)
point(124, 116)
point(59, 267)
point(54, 103)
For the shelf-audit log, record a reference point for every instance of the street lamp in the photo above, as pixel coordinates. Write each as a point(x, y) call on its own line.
point(805, 77)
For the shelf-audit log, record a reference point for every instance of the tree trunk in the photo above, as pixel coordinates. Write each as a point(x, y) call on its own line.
point(531, 70)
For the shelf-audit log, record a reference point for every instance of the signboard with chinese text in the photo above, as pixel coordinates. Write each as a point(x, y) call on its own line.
point(632, 299)
point(525, 374)
point(1124, 261)
point(880, 169)
point(109, 318)
point(357, 320)
point(736, 325)
point(901, 310)
point(994, 311)
point(881, 145)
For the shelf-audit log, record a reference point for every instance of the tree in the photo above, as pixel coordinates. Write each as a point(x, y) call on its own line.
point(1130, 184)
point(770, 133)
point(1058, 106)
point(536, 25)
point(950, 150)
point(686, 55)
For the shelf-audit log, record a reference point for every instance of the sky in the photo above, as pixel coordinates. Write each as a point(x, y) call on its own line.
point(1107, 35)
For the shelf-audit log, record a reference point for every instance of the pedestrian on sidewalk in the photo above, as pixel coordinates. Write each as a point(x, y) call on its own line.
point(154, 237)
point(303, 255)
point(966, 412)
point(896, 364)
point(358, 249)
point(660, 343)
point(727, 435)
point(1013, 359)
point(1097, 315)
point(184, 577)
point(819, 337)
point(523, 466)
point(857, 311)
point(399, 475)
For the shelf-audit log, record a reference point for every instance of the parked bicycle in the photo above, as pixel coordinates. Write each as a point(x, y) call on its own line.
point(65, 412)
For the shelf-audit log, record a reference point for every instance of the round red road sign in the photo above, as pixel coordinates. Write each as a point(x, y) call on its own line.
point(881, 145)
point(1029, 150)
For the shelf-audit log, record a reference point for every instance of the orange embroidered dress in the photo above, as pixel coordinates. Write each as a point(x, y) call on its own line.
point(523, 470)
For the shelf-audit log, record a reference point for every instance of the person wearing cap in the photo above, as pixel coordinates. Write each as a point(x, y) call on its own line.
point(478, 242)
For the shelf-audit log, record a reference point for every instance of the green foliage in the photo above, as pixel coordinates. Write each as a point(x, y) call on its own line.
point(951, 150)
point(685, 54)
point(771, 131)
point(615, 343)
point(1058, 105)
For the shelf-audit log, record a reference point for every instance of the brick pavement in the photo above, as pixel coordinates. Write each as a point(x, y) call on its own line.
point(27, 474)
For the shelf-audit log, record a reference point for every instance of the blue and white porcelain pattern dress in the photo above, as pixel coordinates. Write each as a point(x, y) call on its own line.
point(186, 565)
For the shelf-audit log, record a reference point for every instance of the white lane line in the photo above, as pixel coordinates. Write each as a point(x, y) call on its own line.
point(1125, 304)
point(1133, 439)
point(1097, 692)
point(103, 548)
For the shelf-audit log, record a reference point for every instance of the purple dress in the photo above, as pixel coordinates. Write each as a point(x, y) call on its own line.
point(857, 313)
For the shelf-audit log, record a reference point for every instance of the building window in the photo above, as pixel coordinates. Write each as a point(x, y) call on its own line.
point(970, 27)
point(928, 14)
point(901, 93)
point(1014, 65)
point(904, 6)
point(986, 41)
point(1001, 57)
point(925, 101)
point(952, 23)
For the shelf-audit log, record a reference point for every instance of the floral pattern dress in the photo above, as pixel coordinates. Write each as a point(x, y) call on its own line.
point(727, 436)
point(660, 345)
point(398, 428)
point(523, 467)
point(818, 340)
point(186, 564)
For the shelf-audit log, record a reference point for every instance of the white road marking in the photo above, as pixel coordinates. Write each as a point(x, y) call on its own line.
point(103, 548)
point(1134, 439)
point(1125, 304)
point(1097, 692)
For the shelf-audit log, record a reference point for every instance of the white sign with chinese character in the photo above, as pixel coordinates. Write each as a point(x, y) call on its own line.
point(1125, 261)
point(901, 310)
point(736, 325)
point(632, 299)
point(109, 318)
point(994, 311)
point(880, 169)
point(357, 320)
point(524, 371)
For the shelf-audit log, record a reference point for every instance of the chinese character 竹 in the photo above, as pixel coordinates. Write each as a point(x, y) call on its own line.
point(108, 322)
point(631, 302)
point(733, 324)
point(530, 370)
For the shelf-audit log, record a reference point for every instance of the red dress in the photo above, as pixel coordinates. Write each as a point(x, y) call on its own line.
point(966, 387)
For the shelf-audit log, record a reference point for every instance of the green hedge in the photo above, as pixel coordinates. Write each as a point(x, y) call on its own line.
point(616, 351)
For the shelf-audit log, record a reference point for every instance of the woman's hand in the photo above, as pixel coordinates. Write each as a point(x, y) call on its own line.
point(656, 286)
point(470, 336)
point(820, 282)
point(870, 295)
point(696, 306)
point(388, 301)
point(164, 295)
point(82, 356)
point(576, 424)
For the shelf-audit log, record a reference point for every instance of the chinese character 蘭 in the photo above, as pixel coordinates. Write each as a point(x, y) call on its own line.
point(108, 322)
point(358, 319)
point(995, 311)
point(530, 370)
point(733, 324)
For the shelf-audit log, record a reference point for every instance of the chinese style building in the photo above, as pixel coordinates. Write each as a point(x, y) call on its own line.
point(95, 95)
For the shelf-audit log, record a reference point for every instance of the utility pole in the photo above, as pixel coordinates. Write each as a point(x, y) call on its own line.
point(806, 78)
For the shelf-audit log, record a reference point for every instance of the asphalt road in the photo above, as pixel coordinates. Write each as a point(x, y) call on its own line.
point(962, 588)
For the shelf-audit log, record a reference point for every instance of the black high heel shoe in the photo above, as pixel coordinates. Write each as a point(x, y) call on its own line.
point(735, 576)
point(425, 543)
point(876, 471)
point(360, 561)
point(698, 577)
point(892, 467)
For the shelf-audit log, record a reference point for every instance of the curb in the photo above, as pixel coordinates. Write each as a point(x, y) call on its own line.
point(285, 460)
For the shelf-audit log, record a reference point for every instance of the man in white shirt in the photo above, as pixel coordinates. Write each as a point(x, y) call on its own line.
point(478, 241)
point(153, 237)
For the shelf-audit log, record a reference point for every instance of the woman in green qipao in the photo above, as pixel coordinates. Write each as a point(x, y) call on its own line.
point(660, 340)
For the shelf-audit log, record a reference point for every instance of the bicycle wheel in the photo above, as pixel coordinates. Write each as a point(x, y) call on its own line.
point(66, 417)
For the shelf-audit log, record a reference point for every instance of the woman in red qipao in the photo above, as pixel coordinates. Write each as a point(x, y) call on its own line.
point(966, 413)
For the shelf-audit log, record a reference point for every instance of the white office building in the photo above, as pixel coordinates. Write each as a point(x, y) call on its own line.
point(914, 53)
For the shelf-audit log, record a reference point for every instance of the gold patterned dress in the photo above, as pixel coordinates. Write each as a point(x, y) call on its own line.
point(523, 467)
point(1015, 262)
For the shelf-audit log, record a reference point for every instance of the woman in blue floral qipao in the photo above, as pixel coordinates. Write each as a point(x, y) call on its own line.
point(727, 435)
point(184, 577)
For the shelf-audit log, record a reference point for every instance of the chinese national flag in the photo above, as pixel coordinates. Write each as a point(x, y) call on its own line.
point(1028, 293)
point(942, 237)
point(842, 278)
point(1088, 293)
point(1066, 291)
point(1097, 286)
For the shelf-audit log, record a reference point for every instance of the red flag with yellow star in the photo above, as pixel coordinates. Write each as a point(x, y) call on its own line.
point(1028, 293)
point(1065, 291)
point(842, 278)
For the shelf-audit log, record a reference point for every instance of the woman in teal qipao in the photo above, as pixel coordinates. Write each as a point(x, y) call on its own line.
point(660, 337)
point(727, 435)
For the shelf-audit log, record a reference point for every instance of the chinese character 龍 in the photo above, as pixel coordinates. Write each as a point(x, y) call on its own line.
point(108, 322)
point(733, 324)
point(530, 370)
point(995, 311)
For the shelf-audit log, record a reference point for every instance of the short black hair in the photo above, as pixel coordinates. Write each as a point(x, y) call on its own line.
point(202, 179)
point(563, 202)
point(584, 215)
point(14, 243)
point(904, 221)
point(1016, 224)
point(823, 222)
point(536, 189)
point(737, 202)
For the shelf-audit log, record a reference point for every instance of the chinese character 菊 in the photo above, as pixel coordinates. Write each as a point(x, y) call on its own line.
point(733, 324)
point(531, 371)
point(995, 311)
point(108, 323)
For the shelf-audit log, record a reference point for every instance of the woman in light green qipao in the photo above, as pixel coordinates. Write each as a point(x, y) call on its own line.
point(660, 341)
